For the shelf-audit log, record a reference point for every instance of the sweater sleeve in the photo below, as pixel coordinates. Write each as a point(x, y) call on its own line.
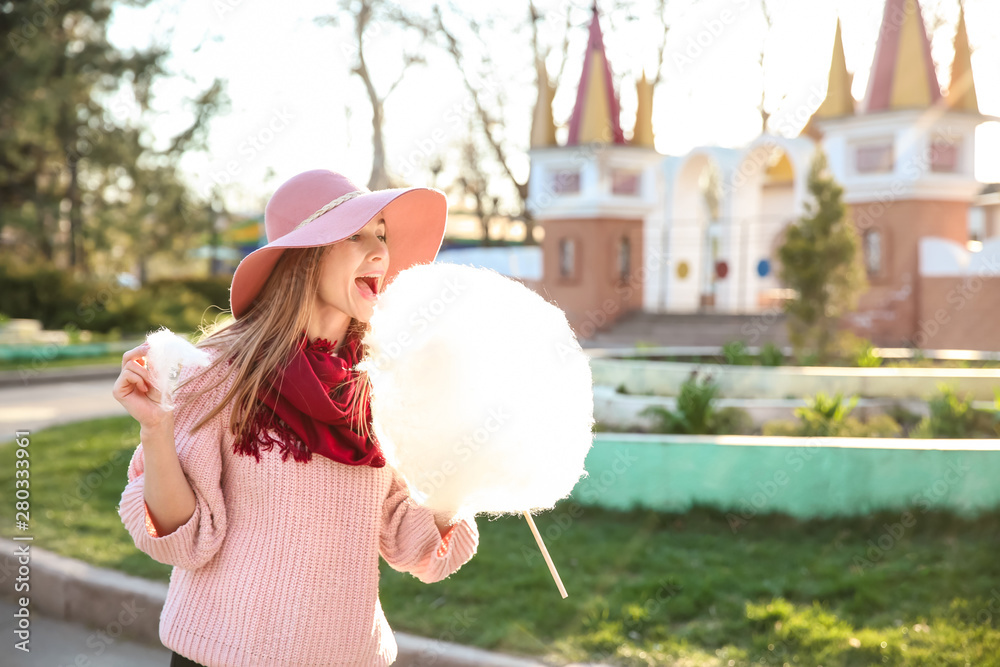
point(411, 542)
point(194, 543)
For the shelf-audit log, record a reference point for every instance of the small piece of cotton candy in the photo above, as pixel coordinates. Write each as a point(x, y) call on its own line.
point(168, 354)
point(481, 395)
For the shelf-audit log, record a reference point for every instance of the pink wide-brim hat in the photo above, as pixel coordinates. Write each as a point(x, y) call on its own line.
point(321, 207)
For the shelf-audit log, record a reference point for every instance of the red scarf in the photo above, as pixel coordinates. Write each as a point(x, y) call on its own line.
point(304, 415)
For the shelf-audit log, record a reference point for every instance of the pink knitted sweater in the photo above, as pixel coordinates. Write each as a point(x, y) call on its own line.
point(278, 565)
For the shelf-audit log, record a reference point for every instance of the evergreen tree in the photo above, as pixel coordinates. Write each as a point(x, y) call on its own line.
point(80, 183)
point(820, 261)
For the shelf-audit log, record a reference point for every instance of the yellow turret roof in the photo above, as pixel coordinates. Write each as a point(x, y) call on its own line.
point(839, 101)
point(642, 135)
point(543, 128)
point(962, 89)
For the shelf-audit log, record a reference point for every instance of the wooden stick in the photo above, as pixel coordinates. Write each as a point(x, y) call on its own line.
point(545, 554)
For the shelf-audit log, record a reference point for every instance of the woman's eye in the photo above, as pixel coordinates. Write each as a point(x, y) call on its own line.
point(351, 238)
point(383, 238)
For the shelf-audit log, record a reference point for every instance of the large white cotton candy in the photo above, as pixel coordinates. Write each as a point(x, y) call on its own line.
point(167, 354)
point(481, 395)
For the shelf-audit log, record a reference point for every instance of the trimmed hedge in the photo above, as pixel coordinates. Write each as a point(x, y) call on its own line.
point(60, 301)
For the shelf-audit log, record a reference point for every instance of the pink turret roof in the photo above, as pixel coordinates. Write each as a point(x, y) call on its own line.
point(609, 102)
point(902, 80)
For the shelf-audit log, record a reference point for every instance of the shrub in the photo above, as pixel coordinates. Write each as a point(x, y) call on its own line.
point(809, 359)
point(877, 426)
point(60, 302)
point(954, 417)
point(771, 355)
point(867, 357)
point(664, 421)
point(782, 428)
point(884, 426)
point(179, 306)
point(825, 416)
point(856, 351)
point(733, 421)
point(905, 418)
point(695, 409)
point(736, 354)
point(42, 293)
point(696, 413)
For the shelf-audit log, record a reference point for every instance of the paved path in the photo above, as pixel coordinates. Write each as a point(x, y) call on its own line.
point(58, 644)
point(37, 405)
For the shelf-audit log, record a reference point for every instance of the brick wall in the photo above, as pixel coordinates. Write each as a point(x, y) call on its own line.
point(958, 313)
point(888, 312)
point(594, 296)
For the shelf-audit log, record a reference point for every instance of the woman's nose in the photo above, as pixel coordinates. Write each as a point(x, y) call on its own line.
point(378, 252)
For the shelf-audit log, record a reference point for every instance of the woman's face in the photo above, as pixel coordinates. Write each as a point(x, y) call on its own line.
point(345, 263)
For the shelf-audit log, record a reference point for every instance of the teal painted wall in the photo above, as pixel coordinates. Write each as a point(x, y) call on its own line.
point(811, 480)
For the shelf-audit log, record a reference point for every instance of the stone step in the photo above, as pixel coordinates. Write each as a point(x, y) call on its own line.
point(693, 329)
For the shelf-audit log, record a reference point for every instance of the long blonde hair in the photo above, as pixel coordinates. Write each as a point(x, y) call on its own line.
point(260, 342)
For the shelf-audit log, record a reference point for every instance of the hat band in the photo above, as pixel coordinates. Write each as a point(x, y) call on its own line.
point(329, 207)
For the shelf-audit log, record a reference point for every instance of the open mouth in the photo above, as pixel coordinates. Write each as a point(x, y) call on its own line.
point(368, 286)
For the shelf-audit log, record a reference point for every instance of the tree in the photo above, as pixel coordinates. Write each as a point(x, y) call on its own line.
point(820, 261)
point(464, 38)
point(368, 16)
point(765, 114)
point(489, 102)
point(75, 158)
point(473, 182)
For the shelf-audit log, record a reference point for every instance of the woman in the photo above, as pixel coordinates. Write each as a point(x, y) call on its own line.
point(264, 487)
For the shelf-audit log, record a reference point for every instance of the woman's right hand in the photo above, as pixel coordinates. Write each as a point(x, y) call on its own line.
point(135, 390)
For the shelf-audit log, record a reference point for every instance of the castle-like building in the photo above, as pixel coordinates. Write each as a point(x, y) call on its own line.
point(627, 228)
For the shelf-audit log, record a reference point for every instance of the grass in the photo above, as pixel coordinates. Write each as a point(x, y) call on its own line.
point(645, 588)
point(42, 365)
point(78, 472)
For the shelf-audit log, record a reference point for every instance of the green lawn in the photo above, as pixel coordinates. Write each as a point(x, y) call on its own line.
point(31, 367)
point(645, 588)
point(78, 473)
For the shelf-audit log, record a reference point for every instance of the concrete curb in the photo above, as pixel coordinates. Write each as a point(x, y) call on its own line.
point(71, 590)
point(29, 376)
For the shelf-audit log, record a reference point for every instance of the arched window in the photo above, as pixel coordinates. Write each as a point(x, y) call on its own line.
point(567, 257)
point(873, 252)
point(624, 258)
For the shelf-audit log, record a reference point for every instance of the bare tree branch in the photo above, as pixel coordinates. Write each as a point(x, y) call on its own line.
point(567, 28)
point(661, 48)
point(454, 49)
point(765, 115)
point(364, 15)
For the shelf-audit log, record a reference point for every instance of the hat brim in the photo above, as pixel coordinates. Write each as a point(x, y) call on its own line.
point(415, 222)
